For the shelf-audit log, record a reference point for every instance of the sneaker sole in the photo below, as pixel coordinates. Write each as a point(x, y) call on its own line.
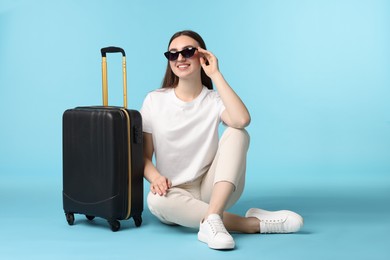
point(219, 246)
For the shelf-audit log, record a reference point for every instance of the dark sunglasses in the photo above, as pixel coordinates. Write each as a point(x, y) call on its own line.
point(186, 53)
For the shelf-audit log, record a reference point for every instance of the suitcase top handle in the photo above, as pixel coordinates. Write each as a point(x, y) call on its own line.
point(112, 49)
point(104, 51)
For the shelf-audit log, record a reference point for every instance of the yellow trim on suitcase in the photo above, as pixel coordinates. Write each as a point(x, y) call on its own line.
point(104, 81)
point(129, 160)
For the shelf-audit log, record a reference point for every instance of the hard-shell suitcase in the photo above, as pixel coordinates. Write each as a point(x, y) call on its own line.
point(103, 159)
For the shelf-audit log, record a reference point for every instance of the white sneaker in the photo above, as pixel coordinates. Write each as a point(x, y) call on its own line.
point(282, 221)
point(213, 232)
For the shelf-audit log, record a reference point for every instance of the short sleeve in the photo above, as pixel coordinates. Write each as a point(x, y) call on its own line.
point(220, 105)
point(146, 112)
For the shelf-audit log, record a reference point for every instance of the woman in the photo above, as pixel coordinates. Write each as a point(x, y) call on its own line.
point(197, 177)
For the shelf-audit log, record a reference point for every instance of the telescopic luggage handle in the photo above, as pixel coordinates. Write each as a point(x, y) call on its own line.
point(112, 49)
point(104, 52)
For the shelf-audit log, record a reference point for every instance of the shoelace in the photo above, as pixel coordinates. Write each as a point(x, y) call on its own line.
point(217, 226)
point(273, 226)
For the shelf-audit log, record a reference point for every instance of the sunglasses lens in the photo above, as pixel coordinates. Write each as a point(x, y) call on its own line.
point(171, 55)
point(188, 53)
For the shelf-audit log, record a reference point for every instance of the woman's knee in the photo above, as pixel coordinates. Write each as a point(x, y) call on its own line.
point(155, 202)
point(240, 136)
point(169, 202)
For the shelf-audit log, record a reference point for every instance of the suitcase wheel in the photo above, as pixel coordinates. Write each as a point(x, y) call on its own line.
point(69, 218)
point(89, 217)
point(137, 221)
point(114, 225)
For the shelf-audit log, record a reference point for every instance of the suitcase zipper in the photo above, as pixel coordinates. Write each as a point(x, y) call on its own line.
point(129, 162)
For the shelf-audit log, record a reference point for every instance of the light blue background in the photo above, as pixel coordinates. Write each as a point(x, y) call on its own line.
point(315, 76)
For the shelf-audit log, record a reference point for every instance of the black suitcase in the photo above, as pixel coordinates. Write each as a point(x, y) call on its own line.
point(103, 159)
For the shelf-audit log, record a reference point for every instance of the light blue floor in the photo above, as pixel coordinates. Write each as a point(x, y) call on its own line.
point(340, 223)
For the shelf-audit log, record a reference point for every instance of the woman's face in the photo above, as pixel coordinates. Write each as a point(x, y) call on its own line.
point(185, 68)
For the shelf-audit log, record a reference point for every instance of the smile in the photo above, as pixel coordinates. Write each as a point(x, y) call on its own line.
point(183, 66)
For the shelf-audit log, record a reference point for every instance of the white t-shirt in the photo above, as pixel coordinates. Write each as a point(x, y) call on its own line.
point(185, 134)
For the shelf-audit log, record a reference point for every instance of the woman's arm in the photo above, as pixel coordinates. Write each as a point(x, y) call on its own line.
point(236, 114)
point(158, 183)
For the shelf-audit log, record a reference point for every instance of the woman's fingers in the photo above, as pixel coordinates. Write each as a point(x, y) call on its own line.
point(163, 188)
point(156, 189)
point(204, 52)
point(160, 186)
point(205, 55)
point(208, 61)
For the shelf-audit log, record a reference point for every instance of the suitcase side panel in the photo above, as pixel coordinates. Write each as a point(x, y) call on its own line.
point(95, 165)
point(137, 165)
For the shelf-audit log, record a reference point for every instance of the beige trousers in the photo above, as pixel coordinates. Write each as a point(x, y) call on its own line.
point(187, 204)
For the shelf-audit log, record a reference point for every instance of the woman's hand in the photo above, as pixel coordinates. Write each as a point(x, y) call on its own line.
point(209, 62)
point(160, 185)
